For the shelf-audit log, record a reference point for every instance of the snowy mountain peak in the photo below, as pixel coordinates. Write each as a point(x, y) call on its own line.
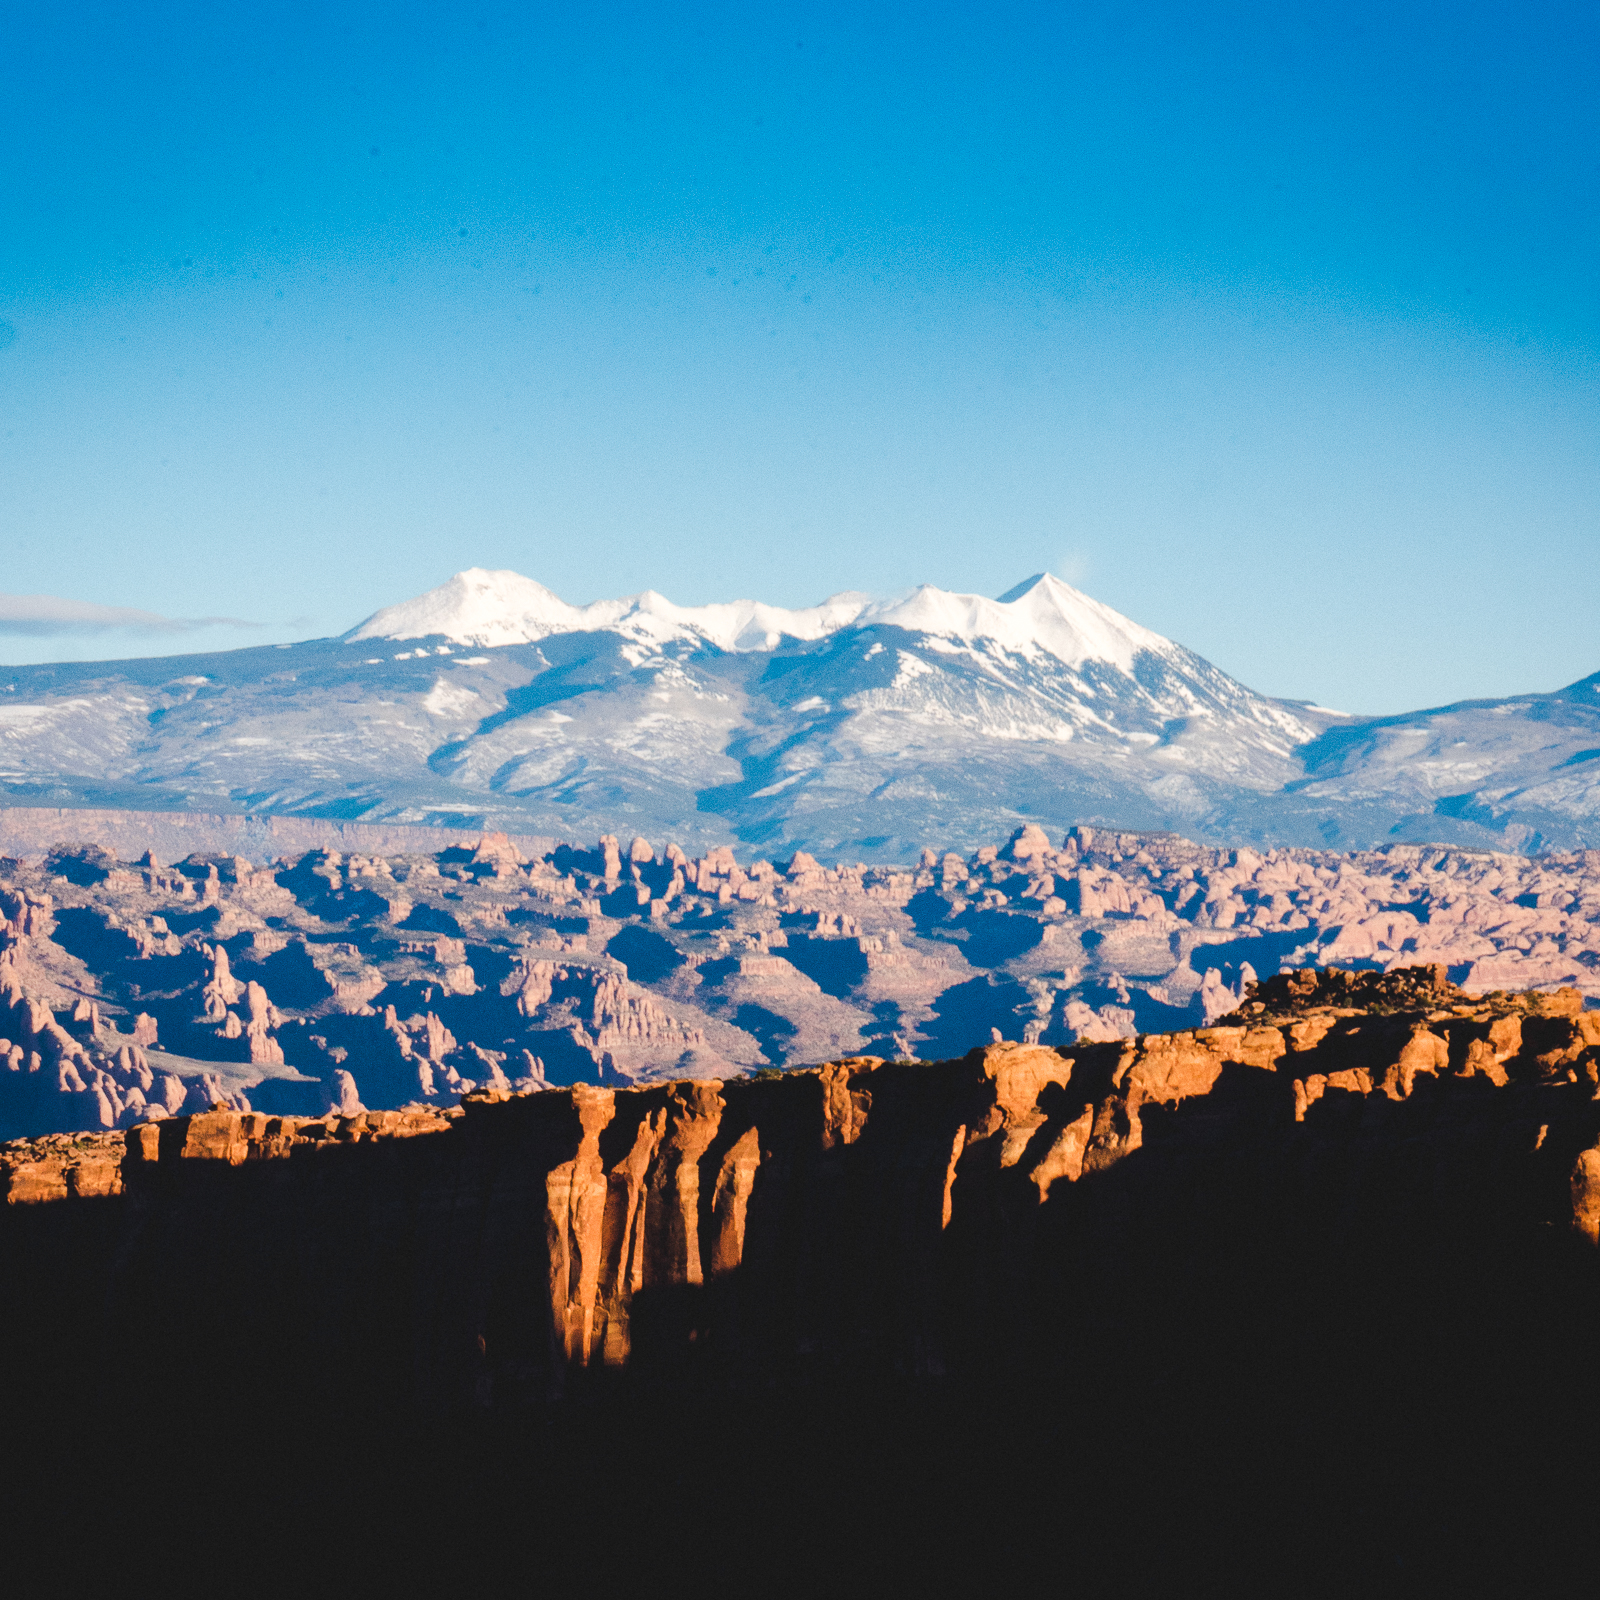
point(476, 607)
point(1041, 614)
point(483, 608)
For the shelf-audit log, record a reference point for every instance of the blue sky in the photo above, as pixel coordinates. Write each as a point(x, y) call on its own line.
point(1275, 329)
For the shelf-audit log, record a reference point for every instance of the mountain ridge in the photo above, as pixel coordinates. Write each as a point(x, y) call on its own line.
point(493, 608)
point(866, 726)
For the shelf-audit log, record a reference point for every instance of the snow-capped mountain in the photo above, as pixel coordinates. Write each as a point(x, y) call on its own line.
point(499, 608)
point(1040, 616)
point(1042, 662)
point(895, 689)
point(863, 726)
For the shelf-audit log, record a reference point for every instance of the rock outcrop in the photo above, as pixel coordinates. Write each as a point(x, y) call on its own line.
point(131, 991)
point(1308, 1294)
point(918, 1216)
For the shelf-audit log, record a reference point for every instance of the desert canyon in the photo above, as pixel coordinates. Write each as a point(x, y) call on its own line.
point(868, 1081)
point(133, 990)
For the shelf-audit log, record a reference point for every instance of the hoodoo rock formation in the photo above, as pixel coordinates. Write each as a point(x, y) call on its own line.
point(132, 991)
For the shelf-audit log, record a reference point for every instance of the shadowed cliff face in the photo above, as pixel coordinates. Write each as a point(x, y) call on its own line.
point(1300, 1296)
point(1338, 1152)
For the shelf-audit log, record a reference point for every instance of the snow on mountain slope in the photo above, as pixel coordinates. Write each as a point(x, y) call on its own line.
point(1525, 769)
point(486, 609)
point(478, 608)
point(867, 726)
point(1040, 616)
point(1042, 664)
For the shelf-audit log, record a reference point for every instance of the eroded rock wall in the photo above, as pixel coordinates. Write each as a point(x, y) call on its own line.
point(1339, 1137)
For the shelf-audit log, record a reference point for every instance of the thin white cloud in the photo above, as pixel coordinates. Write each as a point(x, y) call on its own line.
point(39, 615)
point(1073, 566)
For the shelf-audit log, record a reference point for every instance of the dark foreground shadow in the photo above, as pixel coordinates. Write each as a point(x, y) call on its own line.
point(1353, 1355)
point(1116, 1485)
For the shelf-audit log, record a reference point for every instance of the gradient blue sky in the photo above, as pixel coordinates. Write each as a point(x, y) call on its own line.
point(1274, 327)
